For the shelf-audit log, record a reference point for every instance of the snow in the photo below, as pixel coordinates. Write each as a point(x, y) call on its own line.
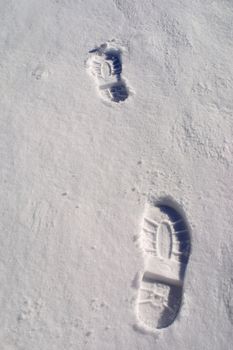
point(77, 171)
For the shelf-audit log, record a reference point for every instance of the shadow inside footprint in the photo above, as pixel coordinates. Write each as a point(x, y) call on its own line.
point(183, 236)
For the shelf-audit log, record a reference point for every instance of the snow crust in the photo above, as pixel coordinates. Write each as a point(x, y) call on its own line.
point(76, 171)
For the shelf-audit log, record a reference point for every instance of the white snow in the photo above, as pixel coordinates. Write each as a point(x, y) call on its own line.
point(76, 171)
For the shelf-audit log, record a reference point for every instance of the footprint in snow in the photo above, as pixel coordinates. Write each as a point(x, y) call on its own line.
point(105, 64)
point(165, 244)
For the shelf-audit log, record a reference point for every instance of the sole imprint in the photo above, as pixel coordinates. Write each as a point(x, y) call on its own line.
point(165, 243)
point(105, 65)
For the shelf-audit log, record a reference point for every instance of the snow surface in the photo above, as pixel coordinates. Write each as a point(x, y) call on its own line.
point(76, 171)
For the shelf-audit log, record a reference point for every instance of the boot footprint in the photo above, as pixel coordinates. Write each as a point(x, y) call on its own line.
point(105, 64)
point(165, 243)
